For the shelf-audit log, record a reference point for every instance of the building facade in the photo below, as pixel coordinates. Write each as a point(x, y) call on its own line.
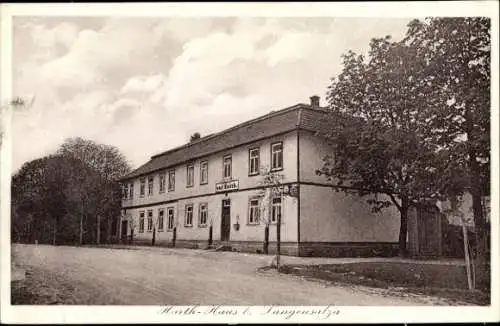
point(213, 189)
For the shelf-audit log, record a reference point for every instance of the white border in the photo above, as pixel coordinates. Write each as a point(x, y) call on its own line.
point(108, 314)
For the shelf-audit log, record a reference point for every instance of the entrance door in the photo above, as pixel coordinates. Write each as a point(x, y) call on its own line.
point(124, 230)
point(429, 232)
point(225, 225)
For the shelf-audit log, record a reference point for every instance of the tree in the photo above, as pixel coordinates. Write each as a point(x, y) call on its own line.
point(110, 164)
point(46, 196)
point(457, 53)
point(272, 184)
point(376, 131)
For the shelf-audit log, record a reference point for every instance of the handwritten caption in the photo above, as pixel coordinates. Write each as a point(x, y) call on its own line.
point(287, 313)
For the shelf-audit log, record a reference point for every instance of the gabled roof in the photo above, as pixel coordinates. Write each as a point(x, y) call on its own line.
point(301, 116)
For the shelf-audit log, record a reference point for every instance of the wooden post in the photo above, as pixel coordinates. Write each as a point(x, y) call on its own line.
point(266, 239)
point(278, 239)
point(154, 236)
point(210, 235)
point(467, 258)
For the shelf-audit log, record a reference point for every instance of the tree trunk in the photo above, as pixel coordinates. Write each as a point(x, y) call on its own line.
point(174, 236)
point(81, 224)
point(266, 239)
point(98, 240)
point(109, 231)
point(481, 232)
point(154, 237)
point(403, 230)
point(55, 232)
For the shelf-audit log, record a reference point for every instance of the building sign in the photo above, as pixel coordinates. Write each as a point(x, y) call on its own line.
point(227, 186)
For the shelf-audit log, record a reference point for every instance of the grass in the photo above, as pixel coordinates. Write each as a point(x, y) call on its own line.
point(40, 288)
point(446, 282)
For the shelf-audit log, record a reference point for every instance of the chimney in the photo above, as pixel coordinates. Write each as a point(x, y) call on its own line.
point(314, 100)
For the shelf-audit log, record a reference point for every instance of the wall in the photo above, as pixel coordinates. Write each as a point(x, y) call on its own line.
point(206, 193)
point(330, 216)
point(215, 171)
point(239, 212)
point(312, 152)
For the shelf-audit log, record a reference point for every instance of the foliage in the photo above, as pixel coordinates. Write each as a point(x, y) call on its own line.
point(399, 116)
point(458, 56)
point(52, 195)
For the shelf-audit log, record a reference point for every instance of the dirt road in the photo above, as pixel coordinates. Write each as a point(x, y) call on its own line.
point(187, 277)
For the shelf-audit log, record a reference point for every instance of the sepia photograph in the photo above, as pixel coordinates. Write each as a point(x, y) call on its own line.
point(249, 162)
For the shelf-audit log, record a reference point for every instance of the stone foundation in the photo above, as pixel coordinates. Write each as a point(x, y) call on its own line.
point(348, 249)
point(303, 249)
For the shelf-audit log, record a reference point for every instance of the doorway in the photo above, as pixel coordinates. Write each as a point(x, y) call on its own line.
point(225, 225)
point(124, 230)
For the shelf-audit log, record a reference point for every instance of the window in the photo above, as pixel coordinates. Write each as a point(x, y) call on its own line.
point(143, 187)
point(203, 172)
point(150, 186)
point(277, 156)
point(124, 191)
point(171, 180)
point(189, 215)
point(150, 220)
point(161, 214)
point(203, 214)
point(190, 176)
point(170, 218)
point(162, 183)
point(227, 167)
point(253, 211)
point(253, 161)
point(141, 222)
point(131, 191)
point(276, 209)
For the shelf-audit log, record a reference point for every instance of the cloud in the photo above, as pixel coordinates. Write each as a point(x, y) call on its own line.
point(145, 84)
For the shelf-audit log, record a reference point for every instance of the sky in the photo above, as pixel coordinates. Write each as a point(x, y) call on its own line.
point(146, 84)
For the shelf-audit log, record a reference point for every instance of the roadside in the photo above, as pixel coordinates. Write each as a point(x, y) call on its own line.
point(152, 276)
point(395, 279)
point(39, 287)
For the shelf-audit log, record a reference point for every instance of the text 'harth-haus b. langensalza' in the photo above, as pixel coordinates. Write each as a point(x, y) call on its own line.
point(211, 191)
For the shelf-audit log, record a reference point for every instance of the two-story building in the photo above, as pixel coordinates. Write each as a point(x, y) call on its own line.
point(217, 181)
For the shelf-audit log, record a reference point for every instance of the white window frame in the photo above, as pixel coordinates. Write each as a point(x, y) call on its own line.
point(202, 212)
point(252, 158)
point(228, 158)
point(142, 187)
point(275, 155)
point(161, 219)
point(274, 216)
point(203, 172)
point(170, 218)
point(188, 218)
point(125, 191)
point(190, 175)
point(142, 215)
point(131, 191)
point(162, 177)
point(171, 180)
point(253, 220)
point(151, 182)
point(150, 218)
